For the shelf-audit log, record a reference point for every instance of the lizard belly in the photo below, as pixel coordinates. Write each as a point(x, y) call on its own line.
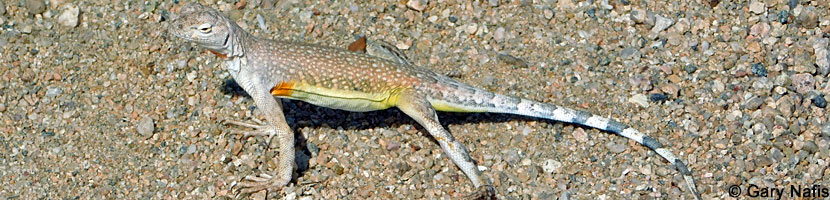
point(350, 100)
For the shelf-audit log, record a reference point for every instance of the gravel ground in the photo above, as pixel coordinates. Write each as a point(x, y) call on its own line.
point(98, 101)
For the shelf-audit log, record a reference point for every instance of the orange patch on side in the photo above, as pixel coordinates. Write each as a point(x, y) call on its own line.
point(283, 89)
point(219, 54)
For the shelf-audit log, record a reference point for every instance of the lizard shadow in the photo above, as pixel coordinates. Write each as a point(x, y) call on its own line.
point(301, 115)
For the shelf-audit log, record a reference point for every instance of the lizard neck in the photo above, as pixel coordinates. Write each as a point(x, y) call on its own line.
point(235, 42)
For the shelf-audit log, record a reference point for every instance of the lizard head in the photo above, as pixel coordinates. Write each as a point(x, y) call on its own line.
point(208, 28)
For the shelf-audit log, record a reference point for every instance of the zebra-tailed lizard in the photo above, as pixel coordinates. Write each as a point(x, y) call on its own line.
point(340, 79)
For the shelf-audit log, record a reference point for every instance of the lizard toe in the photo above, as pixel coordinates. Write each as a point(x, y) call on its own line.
point(484, 192)
point(251, 184)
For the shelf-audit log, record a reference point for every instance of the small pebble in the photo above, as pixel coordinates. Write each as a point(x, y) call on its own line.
point(754, 103)
point(783, 16)
point(756, 7)
point(638, 15)
point(69, 16)
point(550, 166)
point(499, 35)
point(808, 18)
point(822, 55)
point(418, 5)
point(261, 22)
point(810, 146)
point(34, 7)
point(548, 14)
point(145, 127)
point(52, 92)
point(614, 147)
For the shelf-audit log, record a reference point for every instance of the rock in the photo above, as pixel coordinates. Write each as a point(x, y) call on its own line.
point(784, 16)
point(305, 16)
point(785, 106)
point(639, 99)
point(825, 129)
point(690, 68)
point(69, 16)
point(26, 29)
point(803, 82)
point(418, 5)
point(34, 7)
point(808, 18)
point(565, 4)
point(638, 15)
point(2, 8)
point(55, 3)
point(671, 89)
point(661, 23)
point(499, 34)
point(792, 3)
point(261, 22)
point(810, 146)
point(614, 147)
point(759, 30)
point(753, 103)
point(822, 56)
point(494, 3)
point(145, 127)
point(548, 14)
point(628, 53)
point(756, 7)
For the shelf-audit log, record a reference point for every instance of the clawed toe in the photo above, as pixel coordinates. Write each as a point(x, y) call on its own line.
point(483, 192)
point(259, 129)
point(251, 184)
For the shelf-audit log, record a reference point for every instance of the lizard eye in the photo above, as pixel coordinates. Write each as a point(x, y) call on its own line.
point(205, 28)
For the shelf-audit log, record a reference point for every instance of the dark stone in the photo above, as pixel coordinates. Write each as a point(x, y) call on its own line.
point(784, 16)
point(819, 101)
point(657, 97)
point(759, 70)
point(690, 68)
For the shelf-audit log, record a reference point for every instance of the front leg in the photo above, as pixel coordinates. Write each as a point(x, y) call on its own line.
point(276, 125)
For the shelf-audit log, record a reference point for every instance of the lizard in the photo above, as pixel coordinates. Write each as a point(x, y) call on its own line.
point(336, 78)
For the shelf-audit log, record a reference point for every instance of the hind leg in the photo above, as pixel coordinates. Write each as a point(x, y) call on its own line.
point(417, 107)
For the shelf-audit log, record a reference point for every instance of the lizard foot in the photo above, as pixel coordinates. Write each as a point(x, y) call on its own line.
point(259, 129)
point(251, 184)
point(485, 192)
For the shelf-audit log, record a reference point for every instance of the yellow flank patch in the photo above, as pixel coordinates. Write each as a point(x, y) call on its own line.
point(350, 100)
point(283, 89)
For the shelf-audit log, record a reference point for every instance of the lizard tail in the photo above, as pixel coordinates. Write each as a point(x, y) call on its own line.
point(464, 98)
